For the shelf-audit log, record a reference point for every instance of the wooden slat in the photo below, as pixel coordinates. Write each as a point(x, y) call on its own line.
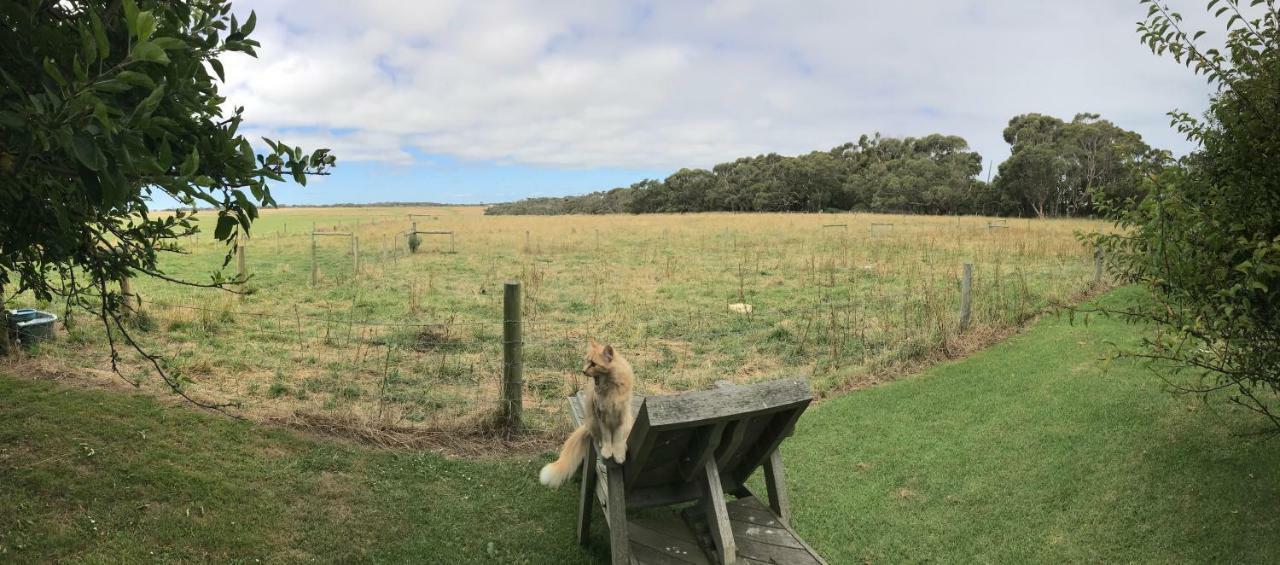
point(750, 509)
point(640, 444)
point(763, 534)
point(701, 448)
point(586, 500)
point(780, 426)
point(776, 554)
point(730, 446)
point(667, 539)
point(776, 483)
point(717, 515)
point(619, 540)
point(726, 403)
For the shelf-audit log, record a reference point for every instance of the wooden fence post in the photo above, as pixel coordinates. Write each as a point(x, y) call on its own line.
point(315, 269)
point(241, 273)
point(355, 253)
point(1097, 267)
point(127, 297)
point(966, 296)
point(512, 358)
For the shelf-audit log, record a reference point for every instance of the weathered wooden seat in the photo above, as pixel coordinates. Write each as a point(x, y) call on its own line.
point(696, 447)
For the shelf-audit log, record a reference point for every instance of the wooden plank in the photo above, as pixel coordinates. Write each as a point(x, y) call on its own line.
point(645, 555)
point(731, 446)
point(776, 554)
point(619, 540)
point(776, 483)
point(700, 450)
point(639, 445)
point(717, 515)
point(667, 539)
point(781, 426)
point(751, 509)
point(586, 500)
point(726, 403)
point(764, 534)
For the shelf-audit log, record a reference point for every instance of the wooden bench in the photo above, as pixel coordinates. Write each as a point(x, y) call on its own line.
point(698, 447)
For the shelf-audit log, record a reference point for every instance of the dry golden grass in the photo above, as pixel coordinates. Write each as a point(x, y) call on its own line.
point(414, 340)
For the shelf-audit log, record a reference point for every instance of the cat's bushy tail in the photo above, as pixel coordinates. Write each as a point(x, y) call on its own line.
point(575, 448)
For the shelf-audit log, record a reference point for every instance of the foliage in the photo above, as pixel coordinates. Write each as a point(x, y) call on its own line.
point(1057, 168)
point(104, 107)
point(1206, 239)
point(935, 174)
point(415, 241)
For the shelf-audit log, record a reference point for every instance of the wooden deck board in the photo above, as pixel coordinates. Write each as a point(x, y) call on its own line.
point(664, 539)
point(760, 535)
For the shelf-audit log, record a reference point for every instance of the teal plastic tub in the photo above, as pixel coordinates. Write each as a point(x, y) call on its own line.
point(30, 326)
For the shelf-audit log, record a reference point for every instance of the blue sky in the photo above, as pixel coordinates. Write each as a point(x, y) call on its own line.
point(463, 102)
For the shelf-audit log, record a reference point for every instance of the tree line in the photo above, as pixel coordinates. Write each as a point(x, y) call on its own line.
point(1056, 168)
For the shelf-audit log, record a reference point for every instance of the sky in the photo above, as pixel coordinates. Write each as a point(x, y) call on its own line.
point(490, 101)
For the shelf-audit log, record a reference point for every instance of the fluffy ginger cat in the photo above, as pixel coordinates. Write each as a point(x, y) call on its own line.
point(607, 414)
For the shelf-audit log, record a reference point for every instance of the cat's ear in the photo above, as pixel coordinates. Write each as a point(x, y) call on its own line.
point(593, 344)
point(608, 353)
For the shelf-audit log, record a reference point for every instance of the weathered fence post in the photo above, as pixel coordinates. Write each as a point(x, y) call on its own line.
point(1097, 267)
point(241, 273)
point(355, 253)
point(129, 300)
point(966, 296)
point(315, 269)
point(512, 358)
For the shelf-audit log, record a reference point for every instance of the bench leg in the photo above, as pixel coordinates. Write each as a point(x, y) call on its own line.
point(776, 483)
point(717, 514)
point(588, 498)
point(619, 538)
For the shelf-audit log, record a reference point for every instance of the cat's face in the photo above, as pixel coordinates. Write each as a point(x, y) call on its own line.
point(599, 360)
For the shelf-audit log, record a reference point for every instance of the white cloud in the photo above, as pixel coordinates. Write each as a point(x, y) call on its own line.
point(615, 84)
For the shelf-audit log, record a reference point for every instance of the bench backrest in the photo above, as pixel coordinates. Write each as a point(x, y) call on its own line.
point(676, 435)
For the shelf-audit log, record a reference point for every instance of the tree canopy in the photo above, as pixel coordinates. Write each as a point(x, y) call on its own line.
point(1059, 168)
point(934, 174)
point(1054, 169)
point(1205, 240)
point(105, 106)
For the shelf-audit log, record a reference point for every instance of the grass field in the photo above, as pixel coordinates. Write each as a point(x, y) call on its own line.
point(1035, 450)
point(414, 340)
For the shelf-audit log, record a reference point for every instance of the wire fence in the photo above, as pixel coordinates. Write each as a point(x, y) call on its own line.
point(447, 371)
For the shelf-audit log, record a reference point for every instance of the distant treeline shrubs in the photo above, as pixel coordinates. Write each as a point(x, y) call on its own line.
point(1057, 168)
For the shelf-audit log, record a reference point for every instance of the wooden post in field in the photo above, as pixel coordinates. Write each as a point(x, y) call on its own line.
point(241, 242)
point(512, 358)
point(1097, 267)
point(128, 299)
point(315, 269)
point(355, 253)
point(966, 296)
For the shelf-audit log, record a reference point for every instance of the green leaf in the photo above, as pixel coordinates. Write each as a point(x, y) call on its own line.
point(169, 43)
point(225, 224)
point(86, 151)
point(99, 34)
point(53, 71)
point(145, 26)
point(136, 78)
point(130, 16)
point(191, 163)
point(217, 68)
point(149, 52)
point(247, 28)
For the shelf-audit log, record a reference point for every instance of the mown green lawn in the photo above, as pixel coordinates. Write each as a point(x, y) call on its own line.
point(1032, 451)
